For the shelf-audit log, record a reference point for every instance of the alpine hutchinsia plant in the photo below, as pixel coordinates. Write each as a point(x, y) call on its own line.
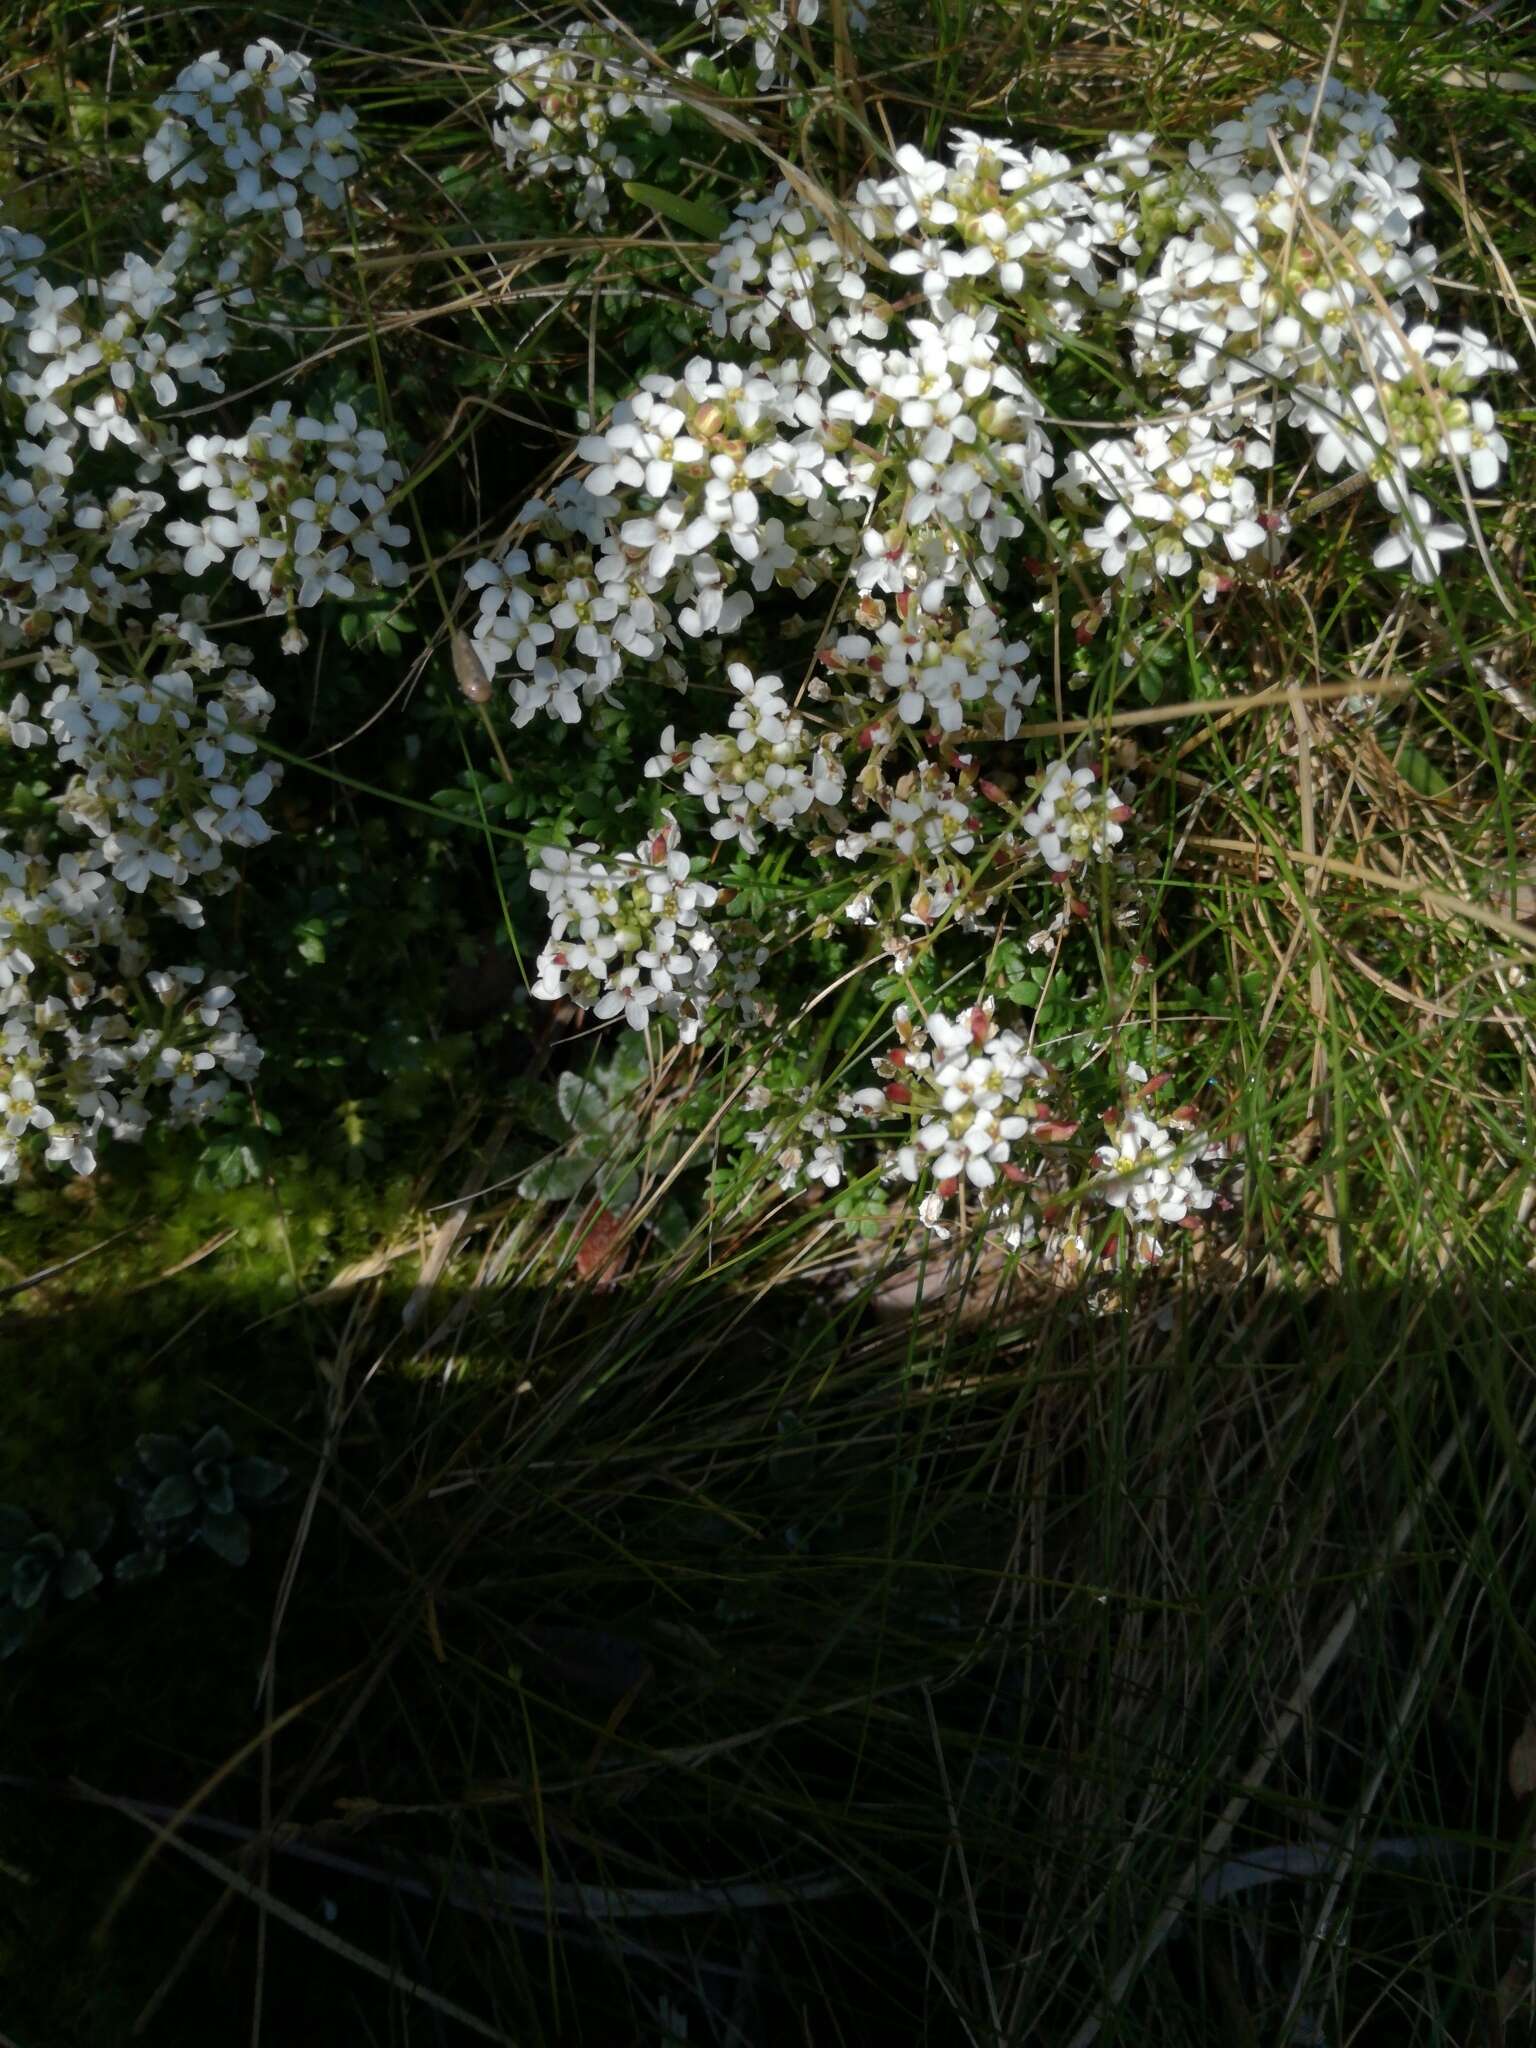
point(822, 558)
point(847, 512)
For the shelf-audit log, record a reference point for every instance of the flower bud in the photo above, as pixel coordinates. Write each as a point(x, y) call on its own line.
point(474, 683)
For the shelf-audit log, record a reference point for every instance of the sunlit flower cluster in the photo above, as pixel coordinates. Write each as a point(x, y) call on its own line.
point(766, 771)
point(298, 508)
point(854, 484)
point(140, 721)
point(1148, 1174)
point(248, 136)
point(628, 936)
point(559, 108)
point(1292, 292)
point(771, 31)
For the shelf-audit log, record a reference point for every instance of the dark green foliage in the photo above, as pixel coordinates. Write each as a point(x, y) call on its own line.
point(39, 1567)
point(182, 1491)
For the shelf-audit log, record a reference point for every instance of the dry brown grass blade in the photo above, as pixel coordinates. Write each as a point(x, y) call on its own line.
point(1432, 898)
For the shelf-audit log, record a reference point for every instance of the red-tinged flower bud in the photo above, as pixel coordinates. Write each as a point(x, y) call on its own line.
point(991, 792)
point(1056, 1134)
point(1157, 1081)
point(897, 1091)
point(658, 849)
point(1083, 634)
point(981, 1026)
point(1141, 964)
point(1079, 907)
point(1033, 566)
point(903, 600)
point(866, 738)
point(946, 1188)
point(897, 1056)
point(1014, 1173)
point(1120, 813)
point(1191, 1224)
point(830, 658)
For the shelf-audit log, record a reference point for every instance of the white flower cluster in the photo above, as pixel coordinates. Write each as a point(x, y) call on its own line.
point(943, 668)
point(973, 1089)
point(779, 264)
point(1171, 493)
point(301, 505)
point(1285, 295)
point(982, 1131)
point(250, 136)
point(809, 1152)
point(560, 107)
point(857, 472)
point(132, 780)
point(764, 26)
point(767, 770)
point(1073, 820)
point(162, 783)
point(972, 1097)
point(96, 361)
point(1149, 1175)
point(164, 778)
point(628, 938)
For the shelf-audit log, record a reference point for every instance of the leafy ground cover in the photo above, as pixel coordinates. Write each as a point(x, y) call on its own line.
point(705, 1603)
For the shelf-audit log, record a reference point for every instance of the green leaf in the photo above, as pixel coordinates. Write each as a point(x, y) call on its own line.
point(670, 1223)
point(617, 1184)
point(78, 1574)
point(257, 1479)
point(175, 1496)
point(583, 1106)
point(1419, 772)
point(538, 1109)
point(29, 1578)
point(138, 1565)
point(213, 1443)
point(213, 1480)
point(227, 1536)
point(629, 1069)
point(703, 220)
point(555, 1179)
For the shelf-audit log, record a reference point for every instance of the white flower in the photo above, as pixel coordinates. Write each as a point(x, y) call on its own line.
point(1417, 540)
